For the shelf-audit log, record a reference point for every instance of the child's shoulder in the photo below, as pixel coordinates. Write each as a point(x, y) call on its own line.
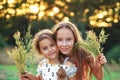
point(43, 61)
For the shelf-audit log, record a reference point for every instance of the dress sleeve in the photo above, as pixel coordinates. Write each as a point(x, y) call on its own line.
point(39, 70)
point(71, 71)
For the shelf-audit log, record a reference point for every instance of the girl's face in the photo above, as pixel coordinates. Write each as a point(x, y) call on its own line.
point(65, 41)
point(48, 48)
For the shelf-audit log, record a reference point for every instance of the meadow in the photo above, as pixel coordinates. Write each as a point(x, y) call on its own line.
point(9, 72)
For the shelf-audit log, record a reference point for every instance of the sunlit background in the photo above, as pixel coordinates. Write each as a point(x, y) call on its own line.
point(57, 10)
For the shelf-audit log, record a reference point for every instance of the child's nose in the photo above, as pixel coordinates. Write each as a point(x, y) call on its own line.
point(64, 43)
point(50, 49)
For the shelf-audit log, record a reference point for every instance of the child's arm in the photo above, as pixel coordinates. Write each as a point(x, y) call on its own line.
point(29, 76)
point(39, 77)
point(97, 67)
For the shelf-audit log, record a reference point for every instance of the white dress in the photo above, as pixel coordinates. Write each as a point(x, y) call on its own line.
point(48, 71)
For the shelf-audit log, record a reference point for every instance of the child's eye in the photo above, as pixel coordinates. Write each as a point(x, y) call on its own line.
point(69, 39)
point(52, 44)
point(45, 48)
point(59, 39)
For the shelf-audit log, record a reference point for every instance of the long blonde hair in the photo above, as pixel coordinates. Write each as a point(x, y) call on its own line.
point(79, 56)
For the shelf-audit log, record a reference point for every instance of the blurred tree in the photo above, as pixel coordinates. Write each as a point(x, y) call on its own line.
point(98, 13)
point(10, 26)
point(86, 14)
point(2, 42)
point(113, 54)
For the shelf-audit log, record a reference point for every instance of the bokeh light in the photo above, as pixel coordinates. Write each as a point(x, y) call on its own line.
point(59, 10)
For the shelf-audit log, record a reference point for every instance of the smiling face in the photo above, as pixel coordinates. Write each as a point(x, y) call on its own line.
point(65, 41)
point(48, 48)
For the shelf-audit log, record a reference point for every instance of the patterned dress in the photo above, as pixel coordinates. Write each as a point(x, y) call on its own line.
point(48, 71)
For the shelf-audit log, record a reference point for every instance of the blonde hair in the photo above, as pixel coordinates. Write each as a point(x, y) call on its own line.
point(70, 26)
point(79, 56)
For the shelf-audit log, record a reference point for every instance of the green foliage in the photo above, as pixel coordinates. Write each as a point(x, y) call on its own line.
point(2, 42)
point(92, 43)
point(9, 72)
point(114, 54)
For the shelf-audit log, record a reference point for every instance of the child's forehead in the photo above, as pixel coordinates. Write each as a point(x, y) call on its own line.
point(50, 39)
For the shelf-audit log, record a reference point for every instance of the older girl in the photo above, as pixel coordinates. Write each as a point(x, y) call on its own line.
point(66, 35)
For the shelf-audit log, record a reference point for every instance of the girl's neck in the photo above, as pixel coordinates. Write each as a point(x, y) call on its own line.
point(70, 54)
point(53, 61)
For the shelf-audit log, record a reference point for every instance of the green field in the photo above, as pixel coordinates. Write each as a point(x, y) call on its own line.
point(9, 72)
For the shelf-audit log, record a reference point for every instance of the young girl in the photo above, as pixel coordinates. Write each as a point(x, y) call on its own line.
point(66, 35)
point(53, 67)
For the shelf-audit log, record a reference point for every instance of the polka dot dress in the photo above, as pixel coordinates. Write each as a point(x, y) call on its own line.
point(48, 71)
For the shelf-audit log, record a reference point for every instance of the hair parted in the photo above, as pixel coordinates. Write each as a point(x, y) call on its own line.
point(70, 26)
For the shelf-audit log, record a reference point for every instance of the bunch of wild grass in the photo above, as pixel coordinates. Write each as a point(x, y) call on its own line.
point(23, 51)
point(18, 54)
point(92, 43)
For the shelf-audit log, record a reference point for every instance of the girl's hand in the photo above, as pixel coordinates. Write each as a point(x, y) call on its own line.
point(22, 77)
point(97, 68)
point(28, 76)
point(100, 60)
